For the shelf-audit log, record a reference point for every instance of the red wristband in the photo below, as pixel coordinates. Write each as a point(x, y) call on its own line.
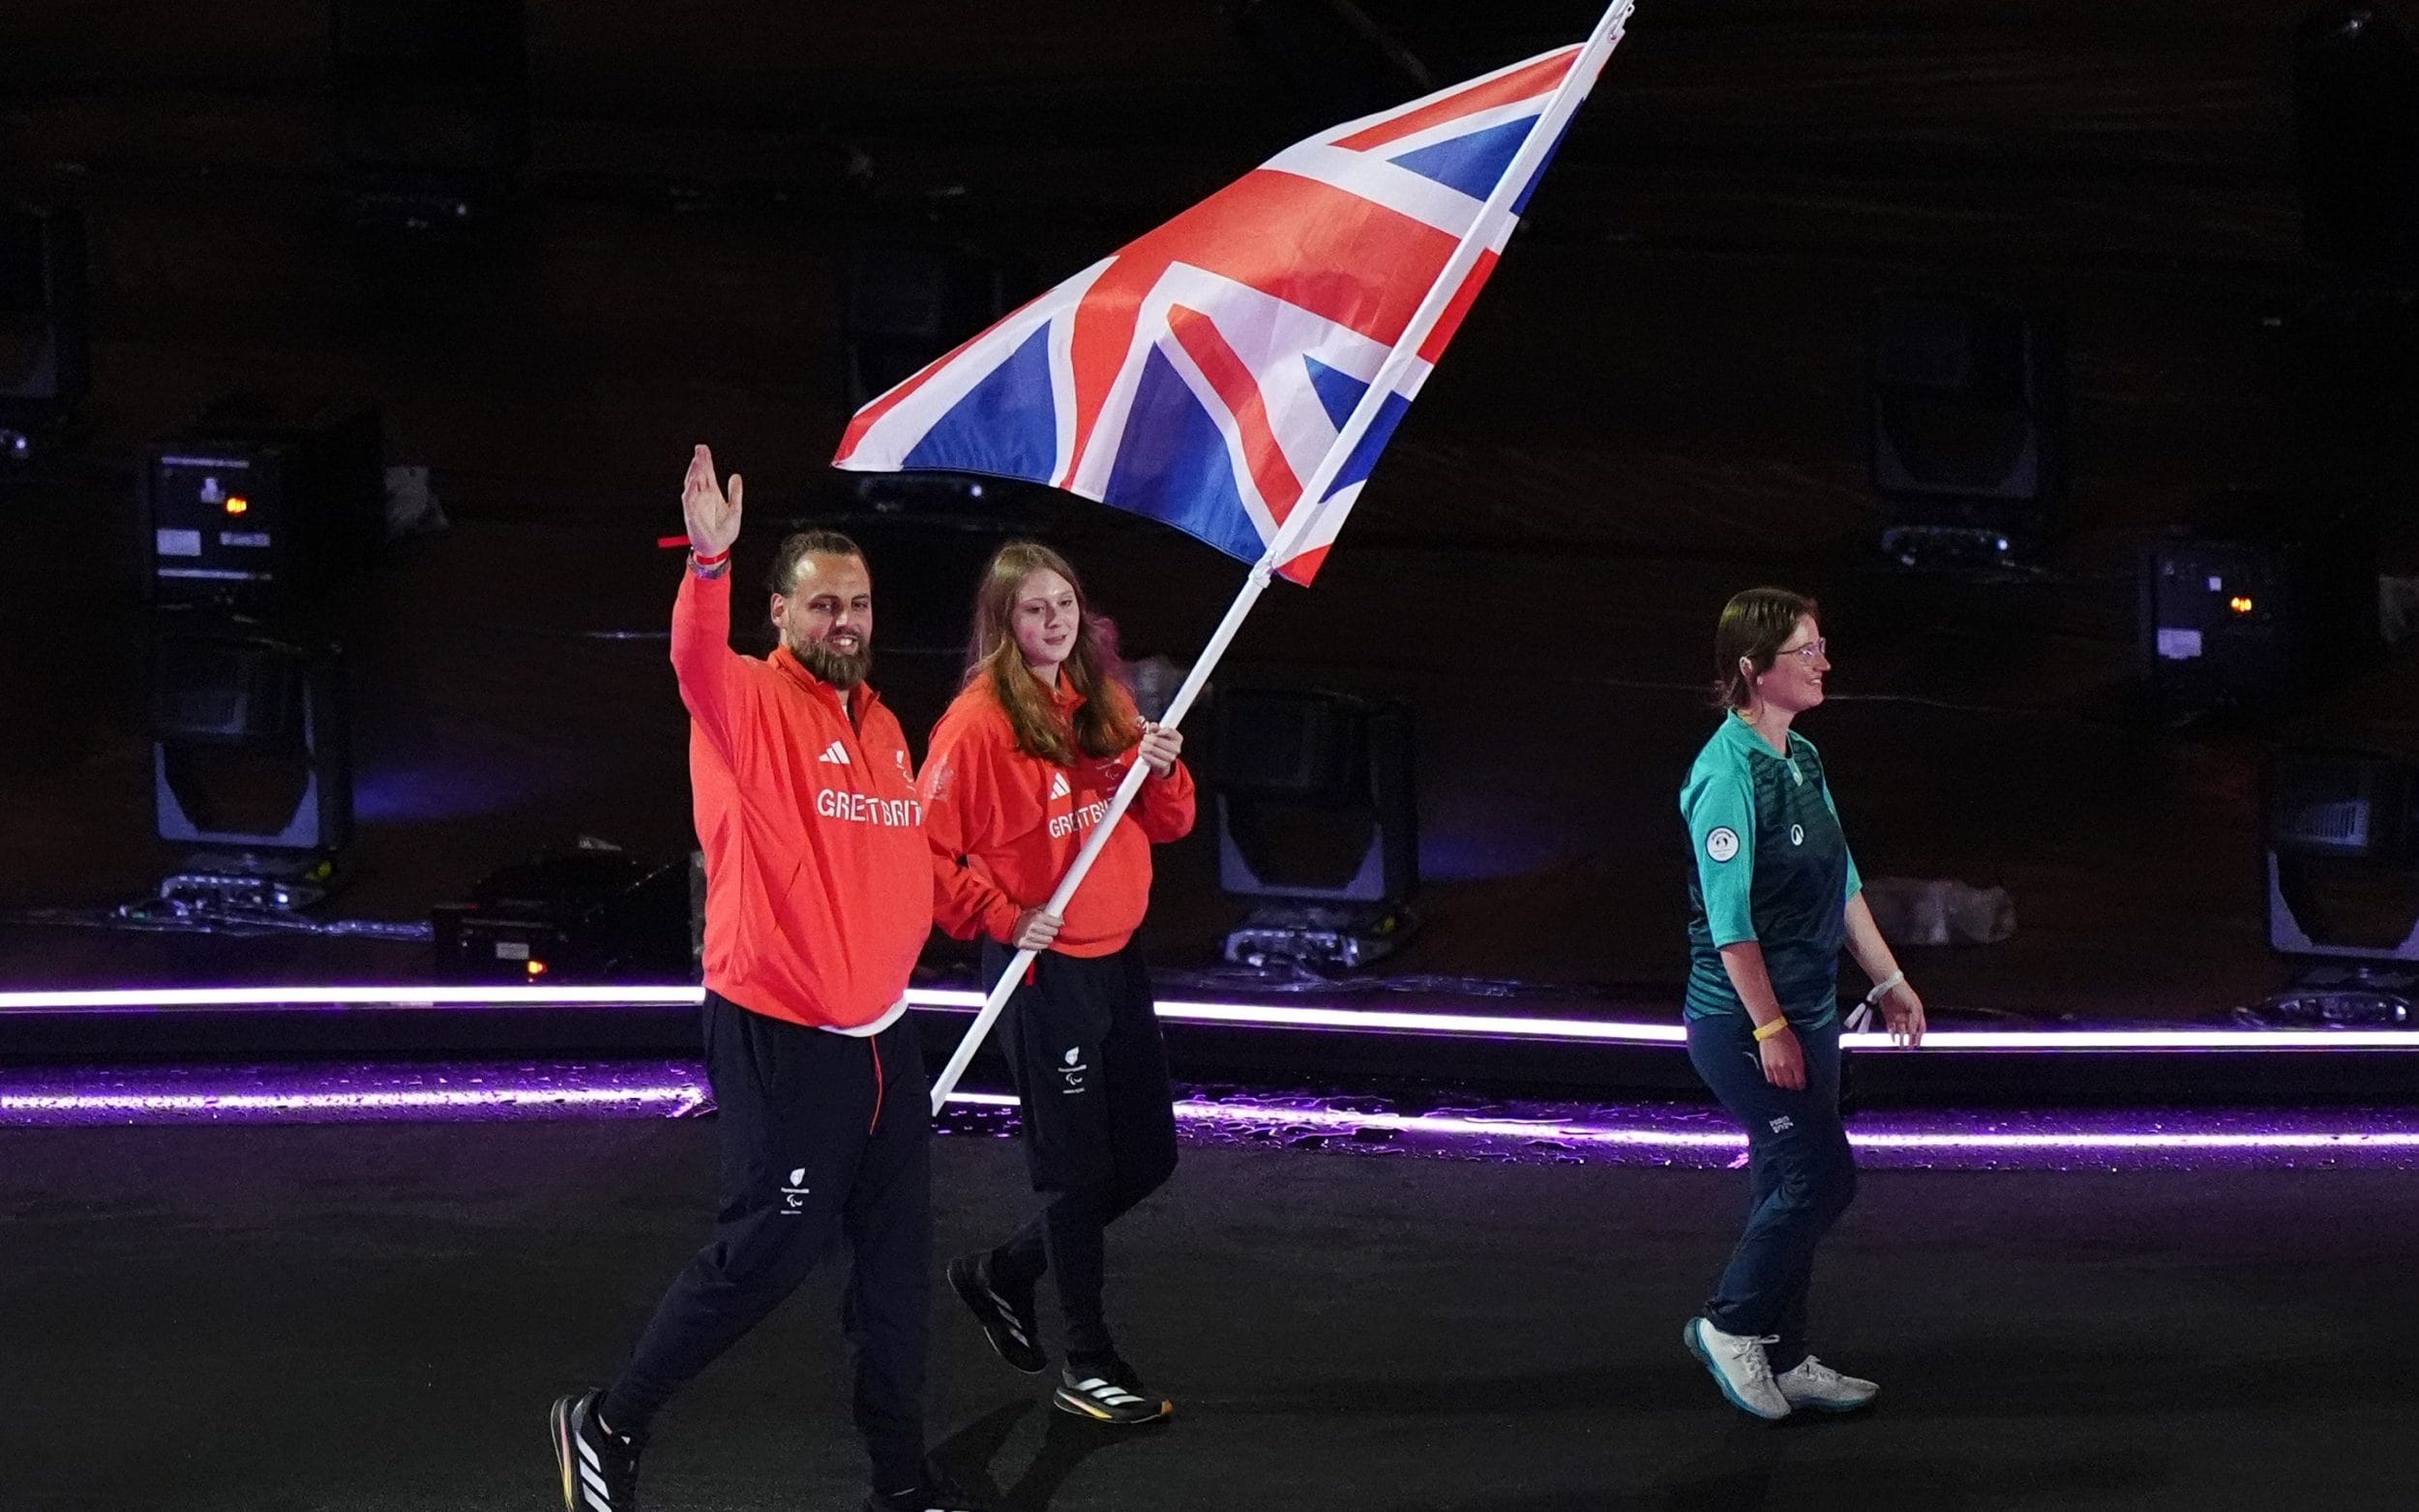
point(701, 559)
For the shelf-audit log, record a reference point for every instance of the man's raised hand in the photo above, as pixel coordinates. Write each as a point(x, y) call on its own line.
point(713, 519)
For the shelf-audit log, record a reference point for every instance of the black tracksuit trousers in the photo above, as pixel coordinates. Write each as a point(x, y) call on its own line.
point(826, 1139)
point(1083, 1044)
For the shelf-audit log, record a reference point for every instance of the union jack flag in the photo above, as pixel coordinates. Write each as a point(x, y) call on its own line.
point(1204, 375)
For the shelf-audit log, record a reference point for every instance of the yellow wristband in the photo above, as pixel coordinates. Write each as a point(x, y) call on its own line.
point(1765, 1031)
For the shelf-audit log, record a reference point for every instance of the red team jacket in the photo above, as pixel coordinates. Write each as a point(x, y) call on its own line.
point(1017, 821)
point(818, 884)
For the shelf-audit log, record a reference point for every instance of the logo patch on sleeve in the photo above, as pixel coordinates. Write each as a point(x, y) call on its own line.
point(1722, 843)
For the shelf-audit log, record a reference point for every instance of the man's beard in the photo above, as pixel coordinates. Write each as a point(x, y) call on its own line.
point(842, 669)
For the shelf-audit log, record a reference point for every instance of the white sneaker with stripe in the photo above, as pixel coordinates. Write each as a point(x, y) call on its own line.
point(1739, 1368)
point(1813, 1383)
point(599, 1470)
point(1111, 1396)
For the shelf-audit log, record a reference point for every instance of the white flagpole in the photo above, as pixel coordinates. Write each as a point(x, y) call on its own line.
point(1541, 138)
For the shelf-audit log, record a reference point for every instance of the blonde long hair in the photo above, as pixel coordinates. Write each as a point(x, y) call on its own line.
point(1107, 724)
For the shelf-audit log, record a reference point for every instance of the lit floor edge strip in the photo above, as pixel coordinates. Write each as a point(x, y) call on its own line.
point(683, 1094)
point(1271, 1016)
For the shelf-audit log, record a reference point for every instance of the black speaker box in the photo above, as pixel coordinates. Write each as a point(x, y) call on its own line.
point(252, 513)
point(597, 916)
point(2274, 597)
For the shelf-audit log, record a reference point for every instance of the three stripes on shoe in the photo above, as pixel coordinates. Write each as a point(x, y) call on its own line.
point(592, 1473)
point(1008, 1316)
point(1099, 1397)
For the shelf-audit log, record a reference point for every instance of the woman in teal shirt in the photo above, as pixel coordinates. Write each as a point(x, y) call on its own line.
point(1774, 897)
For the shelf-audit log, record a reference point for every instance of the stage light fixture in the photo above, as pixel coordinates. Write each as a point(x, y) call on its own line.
point(2342, 856)
point(1966, 430)
point(249, 751)
point(1317, 819)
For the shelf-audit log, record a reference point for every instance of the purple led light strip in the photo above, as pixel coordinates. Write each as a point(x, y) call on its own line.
point(665, 1095)
point(670, 1098)
point(1266, 1016)
point(2077, 1139)
point(348, 997)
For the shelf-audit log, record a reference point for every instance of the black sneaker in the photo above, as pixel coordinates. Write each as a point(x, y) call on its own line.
point(1007, 1320)
point(938, 1494)
point(1110, 1394)
point(600, 1469)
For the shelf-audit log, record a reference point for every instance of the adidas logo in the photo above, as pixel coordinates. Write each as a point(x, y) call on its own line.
point(1059, 787)
point(835, 754)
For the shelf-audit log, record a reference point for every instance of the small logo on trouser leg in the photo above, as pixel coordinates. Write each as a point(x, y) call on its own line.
point(1072, 1070)
point(794, 1196)
point(1783, 1124)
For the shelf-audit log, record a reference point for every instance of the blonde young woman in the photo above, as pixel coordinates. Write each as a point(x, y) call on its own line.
point(1022, 767)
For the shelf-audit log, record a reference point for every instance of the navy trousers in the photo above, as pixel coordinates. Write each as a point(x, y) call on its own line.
point(1801, 1173)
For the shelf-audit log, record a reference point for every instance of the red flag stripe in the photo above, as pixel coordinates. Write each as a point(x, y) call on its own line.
point(1302, 569)
point(1537, 78)
point(1227, 374)
point(1442, 333)
point(1229, 234)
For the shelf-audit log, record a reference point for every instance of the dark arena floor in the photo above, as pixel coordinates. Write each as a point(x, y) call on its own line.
point(372, 1318)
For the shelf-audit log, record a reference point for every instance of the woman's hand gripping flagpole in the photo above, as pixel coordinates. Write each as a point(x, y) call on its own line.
point(998, 1000)
point(1297, 525)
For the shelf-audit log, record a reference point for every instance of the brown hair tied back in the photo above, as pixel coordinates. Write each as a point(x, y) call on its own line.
point(798, 548)
point(1755, 626)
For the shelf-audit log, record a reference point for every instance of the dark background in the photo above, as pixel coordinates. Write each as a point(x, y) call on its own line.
point(1658, 402)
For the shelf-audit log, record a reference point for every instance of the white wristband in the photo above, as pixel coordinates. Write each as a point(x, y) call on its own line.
point(1881, 989)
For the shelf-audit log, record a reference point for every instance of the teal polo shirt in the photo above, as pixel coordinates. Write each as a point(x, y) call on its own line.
point(1771, 865)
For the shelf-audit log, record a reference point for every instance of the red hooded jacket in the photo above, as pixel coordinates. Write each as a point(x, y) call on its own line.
point(1005, 826)
point(819, 893)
